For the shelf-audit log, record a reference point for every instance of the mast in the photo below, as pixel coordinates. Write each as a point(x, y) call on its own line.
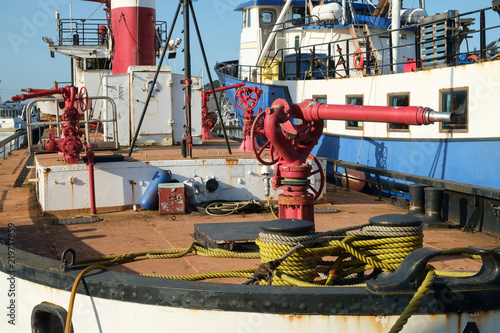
point(344, 12)
point(396, 25)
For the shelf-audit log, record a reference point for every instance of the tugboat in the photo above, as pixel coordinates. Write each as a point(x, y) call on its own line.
point(393, 53)
point(282, 250)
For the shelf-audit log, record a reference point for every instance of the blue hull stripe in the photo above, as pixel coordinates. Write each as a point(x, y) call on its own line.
point(472, 162)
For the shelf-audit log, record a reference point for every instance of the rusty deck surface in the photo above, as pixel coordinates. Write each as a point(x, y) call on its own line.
point(134, 231)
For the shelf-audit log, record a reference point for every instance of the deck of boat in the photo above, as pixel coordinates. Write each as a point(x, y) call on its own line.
point(128, 231)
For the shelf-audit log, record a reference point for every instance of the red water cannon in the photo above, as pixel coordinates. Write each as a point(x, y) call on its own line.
point(69, 144)
point(293, 130)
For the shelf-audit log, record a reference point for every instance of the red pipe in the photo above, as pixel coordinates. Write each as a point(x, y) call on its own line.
point(236, 85)
point(294, 129)
point(38, 93)
point(90, 162)
point(409, 115)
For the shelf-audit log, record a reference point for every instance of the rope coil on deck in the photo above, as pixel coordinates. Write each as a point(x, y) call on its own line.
point(357, 249)
point(300, 260)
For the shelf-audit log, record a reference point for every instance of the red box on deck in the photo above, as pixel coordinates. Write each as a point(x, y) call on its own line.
point(171, 198)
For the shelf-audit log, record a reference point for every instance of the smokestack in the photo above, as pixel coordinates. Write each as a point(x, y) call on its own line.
point(134, 33)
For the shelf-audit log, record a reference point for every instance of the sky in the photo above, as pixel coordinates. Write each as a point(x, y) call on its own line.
point(25, 60)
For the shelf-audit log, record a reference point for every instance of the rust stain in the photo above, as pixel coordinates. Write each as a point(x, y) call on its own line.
point(230, 161)
point(72, 183)
point(132, 184)
point(293, 316)
point(46, 174)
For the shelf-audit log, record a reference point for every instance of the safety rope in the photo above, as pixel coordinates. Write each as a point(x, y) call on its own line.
point(194, 248)
point(410, 309)
point(239, 273)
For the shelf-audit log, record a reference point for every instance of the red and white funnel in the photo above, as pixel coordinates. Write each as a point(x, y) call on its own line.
point(133, 23)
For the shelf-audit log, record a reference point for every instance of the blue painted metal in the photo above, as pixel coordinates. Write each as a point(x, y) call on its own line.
point(471, 161)
point(149, 199)
point(247, 4)
point(269, 95)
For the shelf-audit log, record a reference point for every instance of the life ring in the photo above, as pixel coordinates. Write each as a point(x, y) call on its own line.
point(473, 58)
point(358, 59)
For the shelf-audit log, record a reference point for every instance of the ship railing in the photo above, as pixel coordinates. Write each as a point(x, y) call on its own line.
point(13, 142)
point(92, 126)
point(453, 45)
point(470, 206)
point(86, 31)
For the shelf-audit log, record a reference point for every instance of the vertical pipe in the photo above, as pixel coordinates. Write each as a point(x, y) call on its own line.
point(417, 48)
point(391, 54)
point(297, 65)
point(396, 25)
point(90, 161)
point(347, 56)
point(92, 189)
point(72, 71)
point(187, 81)
point(368, 57)
point(482, 35)
point(328, 61)
point(344, 12)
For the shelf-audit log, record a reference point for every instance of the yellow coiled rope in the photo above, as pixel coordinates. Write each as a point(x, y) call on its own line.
point(356, 252)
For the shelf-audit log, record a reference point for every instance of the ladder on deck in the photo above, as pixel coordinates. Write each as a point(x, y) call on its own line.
point(359, 42)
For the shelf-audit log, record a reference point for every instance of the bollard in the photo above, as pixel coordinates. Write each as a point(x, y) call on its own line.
point(433, 205)
point(417, 200)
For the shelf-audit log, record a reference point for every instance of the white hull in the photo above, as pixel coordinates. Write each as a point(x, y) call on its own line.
point(197, 306)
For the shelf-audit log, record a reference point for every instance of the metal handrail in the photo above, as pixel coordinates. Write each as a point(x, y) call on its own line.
point(8, 141)
point(86, 121)
point(451, 58)
point(87, 30)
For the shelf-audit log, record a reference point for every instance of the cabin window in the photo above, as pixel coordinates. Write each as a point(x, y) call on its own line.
point(247, 21)
point(320, 99)
point(244, 19)
point(354, 100)
point(297, 42)
point(399, 99)
point(298, 14)
point(267, 17)
point(96, 64)
point(456, 101)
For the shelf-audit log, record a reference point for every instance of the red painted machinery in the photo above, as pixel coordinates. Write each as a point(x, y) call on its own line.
point(293, 130)
point(207, 122)
point(69, 144)
point(246, 99)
